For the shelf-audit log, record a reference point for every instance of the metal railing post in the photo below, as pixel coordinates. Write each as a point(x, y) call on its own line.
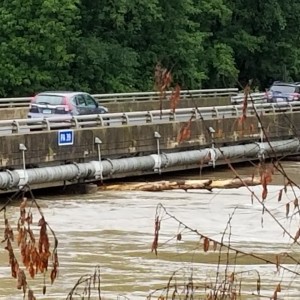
point(98, 142)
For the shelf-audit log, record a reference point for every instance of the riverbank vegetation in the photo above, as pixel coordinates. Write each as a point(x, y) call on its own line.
point(108, 46)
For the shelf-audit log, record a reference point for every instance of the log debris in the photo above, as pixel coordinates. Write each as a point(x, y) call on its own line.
point(207, 184)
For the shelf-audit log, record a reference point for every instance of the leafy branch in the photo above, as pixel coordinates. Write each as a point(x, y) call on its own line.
point(35, 249)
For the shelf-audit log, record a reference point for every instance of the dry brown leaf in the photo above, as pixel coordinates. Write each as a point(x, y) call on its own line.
point(175, 97)
point(287, 209)
point(280, 196)
point(264, 193)
point(277, 262)
point(296, 203)
point(297, 236)
point(206, 244)
point(156, 234)
point(278, 288)
point(179, 237)
point(23, 203)
point(185, 132)
point(215, 245)
point(21, 283)
point(31, 295)
point(258, 286)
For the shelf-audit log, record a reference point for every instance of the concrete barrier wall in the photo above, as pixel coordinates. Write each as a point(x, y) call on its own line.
point(126, 141)
point(21, 113)
point(13, 113)
point(154, 105)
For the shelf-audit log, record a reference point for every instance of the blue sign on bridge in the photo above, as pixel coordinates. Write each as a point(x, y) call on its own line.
point(65, 137)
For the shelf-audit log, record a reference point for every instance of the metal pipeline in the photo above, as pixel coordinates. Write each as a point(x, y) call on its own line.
point(98, 169)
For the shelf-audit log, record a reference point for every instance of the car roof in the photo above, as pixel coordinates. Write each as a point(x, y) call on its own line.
point(60, 93)
point(286, 83)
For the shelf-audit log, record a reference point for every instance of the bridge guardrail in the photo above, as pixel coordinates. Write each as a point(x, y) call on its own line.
point(255, 97)
point(185, 94)
point(137, 96)
point(18, 126)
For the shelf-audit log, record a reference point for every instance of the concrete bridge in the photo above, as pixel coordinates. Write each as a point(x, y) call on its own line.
point(145, 142)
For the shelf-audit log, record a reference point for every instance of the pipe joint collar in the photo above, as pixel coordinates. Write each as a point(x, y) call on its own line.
point(213, 156)
point(78, 173)
point(157, 162)
point(23, 178)
point(261, 150)
point(98, 167)
point(11, 179)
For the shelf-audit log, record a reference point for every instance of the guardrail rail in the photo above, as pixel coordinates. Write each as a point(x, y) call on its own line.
point(18, 126)
point(254, 97)
point(127, 97)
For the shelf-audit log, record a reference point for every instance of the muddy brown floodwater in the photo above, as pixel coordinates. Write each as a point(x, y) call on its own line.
point(114, 230)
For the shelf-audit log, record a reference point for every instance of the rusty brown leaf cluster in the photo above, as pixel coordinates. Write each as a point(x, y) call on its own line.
point(207, 243)
point(297, 235)
point(156, 235)
point(9, 239)
point(247, 90)
point(294, 203)
point(175, 97)
point(277, 290)
point(229, 286)
point(185, 132)
point(35, 251)
point(266, 172)
point(16, 271)
point(163, 78)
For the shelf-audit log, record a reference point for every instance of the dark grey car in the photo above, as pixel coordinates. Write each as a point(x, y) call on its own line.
point(283, 92)
point(58, 104)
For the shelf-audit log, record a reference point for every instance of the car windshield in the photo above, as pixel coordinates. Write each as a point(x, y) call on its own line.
point(283, 88)
point(49, 99)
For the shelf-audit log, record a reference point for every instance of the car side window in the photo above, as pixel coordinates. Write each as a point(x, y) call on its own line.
point(80, 101)
point(73, 100)
point(90, 101)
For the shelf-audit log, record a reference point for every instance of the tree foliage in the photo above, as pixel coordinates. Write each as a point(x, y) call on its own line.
point(36, 40)
point(114, 46)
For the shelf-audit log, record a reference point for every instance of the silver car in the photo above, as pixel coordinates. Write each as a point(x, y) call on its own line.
point(58, 104)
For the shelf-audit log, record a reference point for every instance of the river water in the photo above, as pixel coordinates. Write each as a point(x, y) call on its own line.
point(114, 231)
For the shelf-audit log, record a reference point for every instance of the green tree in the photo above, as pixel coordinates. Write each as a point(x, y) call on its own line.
point(173, 38)
point(114, 46)
point(36, 45)
point(105, 59)
point(264, 37)
point(218, 59)
point(130, 37)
